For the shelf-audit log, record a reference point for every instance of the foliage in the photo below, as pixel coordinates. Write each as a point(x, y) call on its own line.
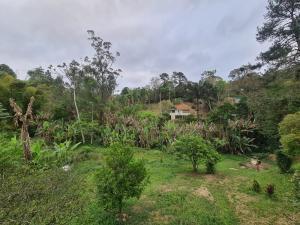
point(278, 96)
point(10, 152)
point(172, 192)
point(210, 167)
point(212, 157)
point(296, 181)
point(6, 70)
point(238, 136)
point(62, 151)
point(256, 186)
point(196, 149)
point(284, 161)
point(121, 178)
point(281, 27)
point(289, 130)
point(37, 148)
point(3, 113)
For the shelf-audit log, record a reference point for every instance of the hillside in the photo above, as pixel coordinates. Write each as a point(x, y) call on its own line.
point(174, 195)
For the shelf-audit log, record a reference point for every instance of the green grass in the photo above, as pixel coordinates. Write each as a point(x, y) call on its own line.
point(174, 195)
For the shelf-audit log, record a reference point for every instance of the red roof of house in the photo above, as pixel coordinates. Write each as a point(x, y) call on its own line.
point(183, 107)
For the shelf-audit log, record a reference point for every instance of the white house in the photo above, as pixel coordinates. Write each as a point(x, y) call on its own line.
point(180, 110)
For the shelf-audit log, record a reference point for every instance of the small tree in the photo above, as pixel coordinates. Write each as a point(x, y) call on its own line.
point(121, 178)
point(196, 149)
point(24, 120)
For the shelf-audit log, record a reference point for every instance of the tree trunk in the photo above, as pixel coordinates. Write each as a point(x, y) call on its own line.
point(92, 123)
point(195, 167)
point(209, 105)
point(25, 141)
point(78, 116)
point(120, 206)
point(197, 105)
point(160, 103)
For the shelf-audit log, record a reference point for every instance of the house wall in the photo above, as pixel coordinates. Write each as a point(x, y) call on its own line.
point(178, 113)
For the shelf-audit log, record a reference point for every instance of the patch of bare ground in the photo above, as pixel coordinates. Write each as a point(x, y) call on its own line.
point(240, 202)
point(144, 203)
point(252, 164)
point(192, 174)
point(215, 178)
point(165, 188)
point(242, 205)
point(158, 218)
point(204, 193)
point(288, 220)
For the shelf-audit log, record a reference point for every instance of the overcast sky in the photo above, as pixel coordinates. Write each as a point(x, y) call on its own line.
point(153, 36)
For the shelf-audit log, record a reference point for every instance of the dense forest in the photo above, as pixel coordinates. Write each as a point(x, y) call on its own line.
point(117, 145)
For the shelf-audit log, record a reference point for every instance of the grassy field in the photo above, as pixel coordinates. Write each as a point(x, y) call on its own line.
point(174, 195)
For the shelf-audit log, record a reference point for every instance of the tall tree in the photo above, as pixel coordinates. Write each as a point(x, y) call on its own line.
point(194, 92)
point(283, 29)
point(166, 86)
point(74, 73)
point(5, 69)
point(39, 75)
point(100, 67)
point(208, 93)
point(155, 84)
point(180, 84)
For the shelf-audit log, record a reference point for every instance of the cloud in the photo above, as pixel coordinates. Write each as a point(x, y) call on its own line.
point(152, 36)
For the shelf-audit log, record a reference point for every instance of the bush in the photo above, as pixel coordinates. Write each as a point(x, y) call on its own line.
point(289, 130)
point(196, 149)
point(270, 190)
point(256, 186)
point(284, 162)
point(212, 158)
point(121, 178)
point(210, 168)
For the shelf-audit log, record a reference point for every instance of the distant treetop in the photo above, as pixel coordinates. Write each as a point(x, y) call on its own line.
point(5, 69)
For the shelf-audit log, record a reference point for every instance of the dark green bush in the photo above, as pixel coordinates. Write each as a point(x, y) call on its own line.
point(210, 168)
point(121, 178)
point(284, 162)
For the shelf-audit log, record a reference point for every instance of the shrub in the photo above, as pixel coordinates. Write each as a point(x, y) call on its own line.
point(210, 168)
point(256, 186)
point(212, 157)
point(196, 149)
point(270, 190)
point(121, 178)
point(284, 162)
point(289, 130)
